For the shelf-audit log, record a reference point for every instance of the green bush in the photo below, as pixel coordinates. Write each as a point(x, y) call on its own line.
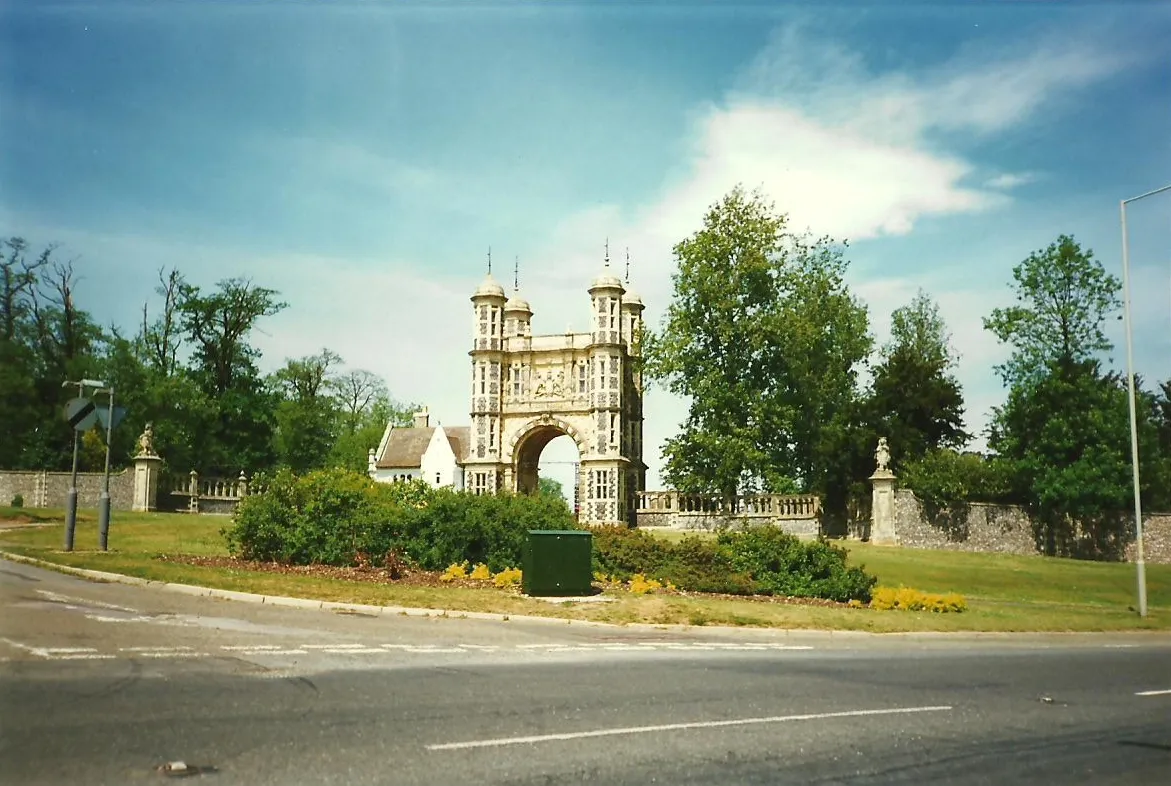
point(783, 564)
point(18, 501)
point(622, 552)
point(456, 527)
point(759, 561)
point(342, 517)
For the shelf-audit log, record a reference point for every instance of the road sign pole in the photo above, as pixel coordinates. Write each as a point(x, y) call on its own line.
point(71, 501)
point(104, 500)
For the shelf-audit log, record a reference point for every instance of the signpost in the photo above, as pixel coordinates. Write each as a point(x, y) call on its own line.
point(109, 416)
point(81, 414)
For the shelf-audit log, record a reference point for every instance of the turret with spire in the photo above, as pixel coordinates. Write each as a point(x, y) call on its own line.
point(517, 313)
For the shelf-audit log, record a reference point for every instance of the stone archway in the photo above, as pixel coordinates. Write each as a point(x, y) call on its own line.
point(527, 444)
point(528, 389)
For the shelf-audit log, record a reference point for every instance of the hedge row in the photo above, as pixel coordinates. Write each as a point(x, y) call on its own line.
point(340, 517)
point(758, 561)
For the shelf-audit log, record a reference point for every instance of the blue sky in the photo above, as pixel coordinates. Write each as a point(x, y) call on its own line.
point(361, 157)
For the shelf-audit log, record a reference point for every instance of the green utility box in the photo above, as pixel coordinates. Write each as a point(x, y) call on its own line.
point(558, 563)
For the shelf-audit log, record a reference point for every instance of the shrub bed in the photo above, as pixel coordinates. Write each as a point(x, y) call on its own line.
point(759, 561)
point(906, 599)
point(342, 518)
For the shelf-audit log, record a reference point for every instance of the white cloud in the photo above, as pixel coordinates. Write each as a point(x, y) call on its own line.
point(1008, 180)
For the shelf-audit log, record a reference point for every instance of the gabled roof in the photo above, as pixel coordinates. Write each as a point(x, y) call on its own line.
point(460, 439)
point(405, 447)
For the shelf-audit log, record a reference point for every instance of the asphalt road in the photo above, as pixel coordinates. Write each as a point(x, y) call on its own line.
point(102, 683)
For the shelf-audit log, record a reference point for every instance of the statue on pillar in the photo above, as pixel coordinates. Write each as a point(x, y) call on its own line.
point(882, 455)
point(146, 446)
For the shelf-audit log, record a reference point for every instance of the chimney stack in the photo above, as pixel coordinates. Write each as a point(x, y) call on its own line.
point(422, 418)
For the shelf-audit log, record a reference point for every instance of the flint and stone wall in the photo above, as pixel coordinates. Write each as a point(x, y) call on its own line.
point(1004, 529)
point(48, 489)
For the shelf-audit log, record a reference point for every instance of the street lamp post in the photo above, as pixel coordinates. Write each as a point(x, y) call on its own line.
point(1140, 564)
point(104, 500)
point(71, 497)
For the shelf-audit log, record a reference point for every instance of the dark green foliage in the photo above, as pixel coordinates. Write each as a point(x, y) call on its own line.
point(18, 501)
point(946, 482)
point(783, 564)
point(765, 340)
point(337, 517)
point(1066, 436)
point(758, 561)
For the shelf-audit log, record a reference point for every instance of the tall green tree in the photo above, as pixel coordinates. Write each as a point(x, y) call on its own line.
point(308, 414)
point(224, 365)
point(1063, 297)
point(915, 399)
point(1064, 429)
point(764, 339)
point(46, 338)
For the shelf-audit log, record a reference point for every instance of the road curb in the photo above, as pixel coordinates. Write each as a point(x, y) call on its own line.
point(413, 611)
point(326, 605)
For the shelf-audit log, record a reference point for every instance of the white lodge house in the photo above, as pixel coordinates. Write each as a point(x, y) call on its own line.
point(528, 389)
point(431, 453)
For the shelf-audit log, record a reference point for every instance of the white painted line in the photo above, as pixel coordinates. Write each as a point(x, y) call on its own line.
point(578, 735)
point(478, 647)
point(355, 651)
point(251, 647)
point(272, 652)
point(154, 649)
point(430, 650)
point(79, 656)
point(53, 596)
point(170, 654)
point(69, 650)
point(1154, 693)
point(332, 646)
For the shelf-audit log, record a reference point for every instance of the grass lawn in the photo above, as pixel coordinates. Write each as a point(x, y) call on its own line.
point(1005, 593)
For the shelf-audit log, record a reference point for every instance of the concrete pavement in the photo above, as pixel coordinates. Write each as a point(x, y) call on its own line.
point(102, 683)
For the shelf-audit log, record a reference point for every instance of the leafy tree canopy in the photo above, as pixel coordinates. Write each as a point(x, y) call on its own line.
point(764, 339)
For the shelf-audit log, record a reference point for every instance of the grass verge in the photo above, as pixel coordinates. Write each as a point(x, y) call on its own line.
point(1005, 593)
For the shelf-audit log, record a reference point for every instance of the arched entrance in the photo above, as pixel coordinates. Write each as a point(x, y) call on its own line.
point(527, 458)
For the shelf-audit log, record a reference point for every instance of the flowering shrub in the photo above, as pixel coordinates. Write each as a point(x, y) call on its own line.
point(455, 571)
point(507, 578)
point(906, 599)
point(481, 573)
point(641, 585)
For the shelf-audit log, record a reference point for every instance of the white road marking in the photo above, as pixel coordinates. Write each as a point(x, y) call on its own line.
point(54, 596)
point(578, 735)
point(69, 650)
point(154, 649)
point(351, 648)
point(1153, 693)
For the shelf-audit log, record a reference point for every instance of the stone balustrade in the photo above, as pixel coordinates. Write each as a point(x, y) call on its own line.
point(799, 514)
point(210, 494)
point(776, 505)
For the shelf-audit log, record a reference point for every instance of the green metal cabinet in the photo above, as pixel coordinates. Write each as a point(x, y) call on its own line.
point(558, 563)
